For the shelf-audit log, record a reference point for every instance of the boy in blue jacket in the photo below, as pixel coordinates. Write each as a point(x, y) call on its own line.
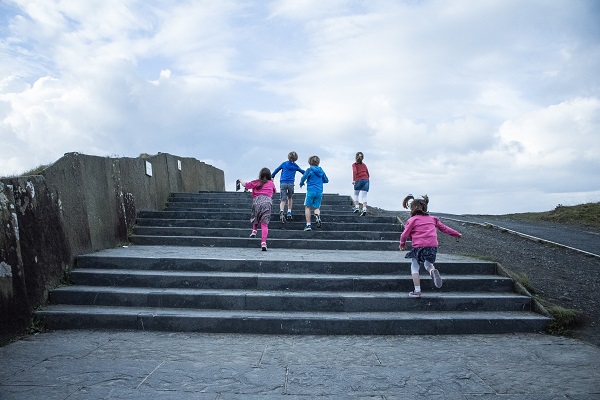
point(315, 178)
point(286, 183)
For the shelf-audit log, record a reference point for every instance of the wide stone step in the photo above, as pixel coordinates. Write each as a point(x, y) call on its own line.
point(246, 198)
point(297, 206)
point(245, 215)
point(193, 267)
point(312, 241)
point(323, 266)
point(237, 194)
point(290, 233)
point(285, 322)
point(287, 301)
point(298, 224)
point(281, 281)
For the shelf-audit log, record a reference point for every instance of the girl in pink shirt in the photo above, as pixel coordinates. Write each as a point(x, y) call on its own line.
point(263, 189)
point(421, 229)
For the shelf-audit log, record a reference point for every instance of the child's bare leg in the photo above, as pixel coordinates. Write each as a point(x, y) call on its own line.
point(318, 216)
point(289, 204)
point(282, 206)
point(307, 215)
point(417, 281)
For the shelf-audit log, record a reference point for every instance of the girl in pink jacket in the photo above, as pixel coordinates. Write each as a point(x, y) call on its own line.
point(263, 189)
point(421, 229)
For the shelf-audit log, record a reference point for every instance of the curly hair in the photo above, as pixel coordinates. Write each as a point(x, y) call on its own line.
point(417, 206)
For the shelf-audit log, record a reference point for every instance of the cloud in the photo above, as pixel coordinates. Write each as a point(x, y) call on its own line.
point(474, 104)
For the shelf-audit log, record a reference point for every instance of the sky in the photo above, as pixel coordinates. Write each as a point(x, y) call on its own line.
point(488, 107)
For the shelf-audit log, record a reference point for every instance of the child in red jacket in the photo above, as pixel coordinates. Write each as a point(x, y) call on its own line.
point(421, 229)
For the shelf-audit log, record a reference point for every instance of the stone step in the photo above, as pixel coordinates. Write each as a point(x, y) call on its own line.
point(234, 264)
point(193, 267)
point(289, 322)
point(236, 194)
point(244, 215)
point(290, 233)
point(297, 223)
point(246, 207)
point(297, 198)
point(246, 198)
point(281, 281)
point(313, 241)
point(214, 299)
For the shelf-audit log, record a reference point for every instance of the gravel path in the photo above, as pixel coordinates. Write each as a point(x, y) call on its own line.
point(582, 238)
point(561, 276)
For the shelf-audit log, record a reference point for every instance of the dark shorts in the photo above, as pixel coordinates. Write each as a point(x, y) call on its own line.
point(363, 185)
point(423, 254)
point(287, 190)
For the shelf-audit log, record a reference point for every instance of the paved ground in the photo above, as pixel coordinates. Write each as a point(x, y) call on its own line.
point(155, 365)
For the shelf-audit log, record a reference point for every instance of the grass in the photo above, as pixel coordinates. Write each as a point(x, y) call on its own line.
point(36, 326)
point(523, 280)
point(35, 171)
point(564, 318)
point(587, 214)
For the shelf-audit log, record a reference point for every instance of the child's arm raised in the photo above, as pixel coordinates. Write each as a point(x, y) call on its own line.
point(446, 229)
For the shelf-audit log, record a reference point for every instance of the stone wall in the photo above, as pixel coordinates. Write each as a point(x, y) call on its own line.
point(79, 204)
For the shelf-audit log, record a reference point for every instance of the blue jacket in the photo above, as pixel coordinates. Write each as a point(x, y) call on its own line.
point(315, 178)
point(288, 174)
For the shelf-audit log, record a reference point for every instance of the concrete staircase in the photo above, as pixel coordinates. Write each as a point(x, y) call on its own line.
point(192, 267)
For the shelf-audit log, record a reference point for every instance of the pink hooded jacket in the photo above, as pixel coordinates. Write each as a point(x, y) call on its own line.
point(268, 189)
point(421, 229)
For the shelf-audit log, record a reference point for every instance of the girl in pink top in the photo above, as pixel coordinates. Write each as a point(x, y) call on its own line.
point(263, 189)
point(421, 229)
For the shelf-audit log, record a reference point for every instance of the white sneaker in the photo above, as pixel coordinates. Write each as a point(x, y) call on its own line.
point(437, 279)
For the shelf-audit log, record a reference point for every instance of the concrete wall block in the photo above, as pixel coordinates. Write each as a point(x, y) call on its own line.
point(65, 176)
point(33, 246)
point(79, 204)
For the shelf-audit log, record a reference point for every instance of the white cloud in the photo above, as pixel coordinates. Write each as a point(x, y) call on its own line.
point(475, 104)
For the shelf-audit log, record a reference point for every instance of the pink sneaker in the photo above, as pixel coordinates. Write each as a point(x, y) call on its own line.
point(263, 246)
